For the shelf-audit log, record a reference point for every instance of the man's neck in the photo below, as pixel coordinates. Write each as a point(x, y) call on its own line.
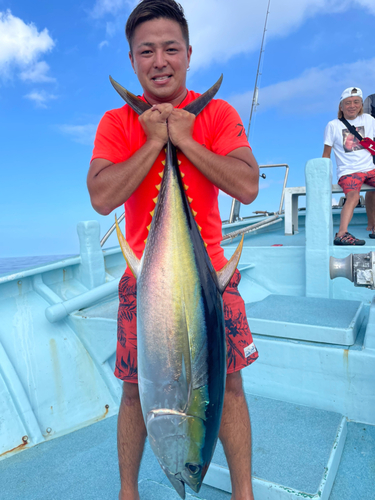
point(176, 101)
point(349, 118)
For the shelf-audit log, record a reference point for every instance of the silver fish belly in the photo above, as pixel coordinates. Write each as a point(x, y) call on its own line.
point(181, 341)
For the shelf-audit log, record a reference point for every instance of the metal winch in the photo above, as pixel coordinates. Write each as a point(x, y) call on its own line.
point(358, 268)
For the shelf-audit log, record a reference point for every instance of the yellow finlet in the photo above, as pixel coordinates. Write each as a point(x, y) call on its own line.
point(179, 162)
point(152, 213)
point(189, 199)
point(194, 212)
point(182, 175)
point(155, 200)
point(186, 187)
point(205, 244)
point(149, 227)
point(158, 187)
point(161, 173)
point(163, 162)
point(145, 241)
point(200, 229)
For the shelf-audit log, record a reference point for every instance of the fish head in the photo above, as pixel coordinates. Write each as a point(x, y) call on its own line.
point(177, 440)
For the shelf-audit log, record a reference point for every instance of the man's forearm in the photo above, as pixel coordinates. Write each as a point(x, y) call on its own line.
point(110, 185)
point(236, 176)
point(327, 151)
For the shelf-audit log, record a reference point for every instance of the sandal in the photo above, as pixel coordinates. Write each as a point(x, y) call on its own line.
point(348, 239)
point(372, 234)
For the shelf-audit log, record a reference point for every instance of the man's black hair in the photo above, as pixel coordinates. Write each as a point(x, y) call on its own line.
point(147, 10)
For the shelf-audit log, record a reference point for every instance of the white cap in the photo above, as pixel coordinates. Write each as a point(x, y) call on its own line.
point(351, 92)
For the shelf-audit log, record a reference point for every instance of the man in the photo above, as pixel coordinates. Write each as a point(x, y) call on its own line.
point(126, 167)
point(355, 165)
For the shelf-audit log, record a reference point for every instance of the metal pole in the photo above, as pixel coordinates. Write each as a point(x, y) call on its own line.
point(111, 229)
point(256, 89)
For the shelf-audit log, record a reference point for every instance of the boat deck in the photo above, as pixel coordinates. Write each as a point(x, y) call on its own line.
point(291, 446)
point(311, 393)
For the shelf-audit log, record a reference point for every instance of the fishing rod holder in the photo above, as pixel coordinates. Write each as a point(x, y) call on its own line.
point(358, 268)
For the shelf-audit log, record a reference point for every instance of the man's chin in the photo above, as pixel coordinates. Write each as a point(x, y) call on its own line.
point(164, 93)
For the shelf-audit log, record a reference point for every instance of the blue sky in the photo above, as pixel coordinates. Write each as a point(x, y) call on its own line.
point(55, 58)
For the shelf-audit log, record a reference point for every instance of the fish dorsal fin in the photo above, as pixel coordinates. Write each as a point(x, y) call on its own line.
point(133, 262)
point(225, 274)
point(201, 102)
point(134, 102)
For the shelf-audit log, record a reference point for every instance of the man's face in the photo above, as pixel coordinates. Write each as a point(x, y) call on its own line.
point(160, 60)
point(351, 106)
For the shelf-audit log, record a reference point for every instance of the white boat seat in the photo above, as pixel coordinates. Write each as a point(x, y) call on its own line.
point(291, 204)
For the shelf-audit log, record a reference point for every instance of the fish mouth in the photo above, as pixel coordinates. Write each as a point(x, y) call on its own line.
point(192, 475)
point(177, 440)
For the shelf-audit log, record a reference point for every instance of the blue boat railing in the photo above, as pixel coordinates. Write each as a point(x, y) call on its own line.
point(236, 205)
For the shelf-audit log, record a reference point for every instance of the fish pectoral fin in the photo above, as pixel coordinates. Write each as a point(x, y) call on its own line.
point(225, 274)
point(133, 262)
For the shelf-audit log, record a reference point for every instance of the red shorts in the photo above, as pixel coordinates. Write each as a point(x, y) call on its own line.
point(240, 346)
point(353, 182)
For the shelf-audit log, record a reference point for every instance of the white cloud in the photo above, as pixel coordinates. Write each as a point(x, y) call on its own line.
point(83, 134)
point(37, 73)
point(230, 31)
point(102, 44)
point(104, 7)
point(21, 46)
point(368, 4)
point(316, 90)
point(40, 98)
point(218, 31)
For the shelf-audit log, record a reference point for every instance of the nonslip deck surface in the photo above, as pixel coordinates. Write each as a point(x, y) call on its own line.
point(314, 319)
point(291, 445)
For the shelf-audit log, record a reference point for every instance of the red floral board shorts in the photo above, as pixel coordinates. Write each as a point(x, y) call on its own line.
point(240, 346)
point(353, 182)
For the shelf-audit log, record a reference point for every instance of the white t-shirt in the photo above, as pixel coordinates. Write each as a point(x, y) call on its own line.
point(350, 156)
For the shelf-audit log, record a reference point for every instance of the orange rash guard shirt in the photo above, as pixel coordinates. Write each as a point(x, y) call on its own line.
point(218, 128)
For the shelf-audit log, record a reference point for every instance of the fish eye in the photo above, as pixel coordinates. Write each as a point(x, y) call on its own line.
point(194, 469)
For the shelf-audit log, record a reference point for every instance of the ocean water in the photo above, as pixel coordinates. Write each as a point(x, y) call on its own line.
point(15, 264)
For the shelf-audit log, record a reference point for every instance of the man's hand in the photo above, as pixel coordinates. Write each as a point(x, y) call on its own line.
point(180, 126)
point(154, 123)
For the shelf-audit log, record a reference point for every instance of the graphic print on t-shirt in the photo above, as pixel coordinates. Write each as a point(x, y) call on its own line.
point(242, 129)
point(350, 142)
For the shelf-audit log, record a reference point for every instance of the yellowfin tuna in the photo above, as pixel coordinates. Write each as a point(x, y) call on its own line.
point(180, 327)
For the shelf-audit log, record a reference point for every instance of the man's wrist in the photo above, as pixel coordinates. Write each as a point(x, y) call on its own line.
point(156, 143)
point(186, 144)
